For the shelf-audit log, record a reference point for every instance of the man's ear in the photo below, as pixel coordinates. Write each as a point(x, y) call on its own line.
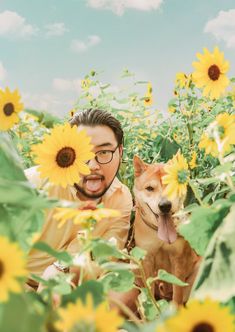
point(139, 166)
point(121, 150)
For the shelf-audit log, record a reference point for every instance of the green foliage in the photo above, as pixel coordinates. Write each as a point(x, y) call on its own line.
point(22, 312)
point(217, 272)
point(21, 207)
point(62, 256)
point(120, 281)
point(170, 278)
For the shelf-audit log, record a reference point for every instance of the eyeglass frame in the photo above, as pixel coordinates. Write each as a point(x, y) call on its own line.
point(96, 157)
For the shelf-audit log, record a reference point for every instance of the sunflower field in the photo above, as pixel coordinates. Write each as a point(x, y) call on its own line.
point(196, 138)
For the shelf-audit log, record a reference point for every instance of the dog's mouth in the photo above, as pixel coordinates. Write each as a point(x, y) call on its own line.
point(166, 229)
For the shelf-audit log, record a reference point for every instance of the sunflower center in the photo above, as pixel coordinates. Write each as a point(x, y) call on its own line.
point(65, 157)
point(1, 269)
point(203, 327)
point(214, 72)
point(85, 326)
point(182, 176)
point(8, 109)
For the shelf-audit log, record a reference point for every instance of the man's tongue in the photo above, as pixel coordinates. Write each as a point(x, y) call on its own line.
point(93, 184)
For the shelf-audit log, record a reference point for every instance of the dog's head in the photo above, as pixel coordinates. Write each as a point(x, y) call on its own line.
point(154, 206)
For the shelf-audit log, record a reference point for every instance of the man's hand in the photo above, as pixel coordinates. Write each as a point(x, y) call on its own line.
point(50, 272)
point(75, 270)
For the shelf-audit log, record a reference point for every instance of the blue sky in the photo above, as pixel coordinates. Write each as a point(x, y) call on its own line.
point(47, 46)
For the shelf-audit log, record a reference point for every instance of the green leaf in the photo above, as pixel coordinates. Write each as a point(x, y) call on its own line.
point(102, 250)
point(120, 281)
point(149, 309)
point(62, 256)
point(21, 313)
point(170, 278)
point(198, 232)
point(117, 266)
point(225, 168)
point(89, 287)
point(11, 166)
point(138, 253)
point(217, 273)
point(168, 149)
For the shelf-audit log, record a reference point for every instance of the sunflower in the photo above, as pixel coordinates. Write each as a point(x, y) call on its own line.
point(62, 155)
point(219, 136)
point(171, 109)
point(193, 161)
point(207, 316)
point(12, 267)
point(86, 317)
point(181, 79)
point(148, 99)
point(210, 73)
point(177, 176)
point(10, 106)
point(85, 84)
point(81, 216)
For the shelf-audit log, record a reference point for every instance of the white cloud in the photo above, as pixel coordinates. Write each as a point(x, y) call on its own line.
point(66, 85)
point(12, 24)
point(56, 29)
point(119, 6)
point(49, 102)
point(223, 27)
point(3, 72)
point(80, 46)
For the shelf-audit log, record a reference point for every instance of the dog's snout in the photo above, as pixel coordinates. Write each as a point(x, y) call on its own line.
point(165, 206)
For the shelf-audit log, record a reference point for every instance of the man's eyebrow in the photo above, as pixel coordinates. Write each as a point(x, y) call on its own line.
point(103, 144)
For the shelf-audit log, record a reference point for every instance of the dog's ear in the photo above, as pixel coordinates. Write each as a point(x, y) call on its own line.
point(139, 166)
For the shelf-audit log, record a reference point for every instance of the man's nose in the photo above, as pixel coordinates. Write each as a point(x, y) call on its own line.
point(93, 164)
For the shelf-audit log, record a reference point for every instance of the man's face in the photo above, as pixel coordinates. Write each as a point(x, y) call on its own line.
point(95, 184)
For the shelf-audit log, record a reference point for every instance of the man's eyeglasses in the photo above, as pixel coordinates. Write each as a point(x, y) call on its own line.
point(104, 156)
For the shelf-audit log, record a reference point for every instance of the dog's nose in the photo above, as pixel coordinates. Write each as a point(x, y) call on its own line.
point(165, 206)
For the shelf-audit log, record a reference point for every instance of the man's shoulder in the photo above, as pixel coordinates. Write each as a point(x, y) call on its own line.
point(119, 191)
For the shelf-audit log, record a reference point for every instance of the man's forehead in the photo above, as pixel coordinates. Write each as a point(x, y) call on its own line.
point(101, 136)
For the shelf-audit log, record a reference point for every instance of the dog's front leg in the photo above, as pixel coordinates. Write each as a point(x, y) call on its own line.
point(178, 295)
point(178, 291)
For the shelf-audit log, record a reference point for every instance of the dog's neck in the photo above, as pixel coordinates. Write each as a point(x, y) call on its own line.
point(141, 215)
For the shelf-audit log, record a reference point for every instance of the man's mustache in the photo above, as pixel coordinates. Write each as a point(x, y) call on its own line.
point(93, 176)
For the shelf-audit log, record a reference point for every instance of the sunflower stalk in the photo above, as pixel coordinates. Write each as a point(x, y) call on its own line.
point(196, 194)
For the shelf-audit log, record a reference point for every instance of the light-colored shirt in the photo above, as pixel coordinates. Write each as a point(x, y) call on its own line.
point(117, 197)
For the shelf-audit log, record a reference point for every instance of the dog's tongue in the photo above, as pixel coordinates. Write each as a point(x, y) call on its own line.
point(166, 229)
point(93, 184)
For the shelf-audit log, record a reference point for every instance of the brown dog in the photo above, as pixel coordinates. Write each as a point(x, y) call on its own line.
point(155, 230)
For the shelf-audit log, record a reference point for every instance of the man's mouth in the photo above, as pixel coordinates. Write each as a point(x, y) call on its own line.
point(93, 183)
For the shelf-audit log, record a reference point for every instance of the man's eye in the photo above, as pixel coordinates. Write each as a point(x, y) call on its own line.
point(102, 153)
point(149, 188)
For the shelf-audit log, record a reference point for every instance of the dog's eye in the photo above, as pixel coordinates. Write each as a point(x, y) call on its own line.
point(149, 188)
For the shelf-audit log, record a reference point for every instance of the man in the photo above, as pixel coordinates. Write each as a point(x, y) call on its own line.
point(100, 186)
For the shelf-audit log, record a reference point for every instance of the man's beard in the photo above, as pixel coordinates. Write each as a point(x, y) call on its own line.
point(94, 196)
